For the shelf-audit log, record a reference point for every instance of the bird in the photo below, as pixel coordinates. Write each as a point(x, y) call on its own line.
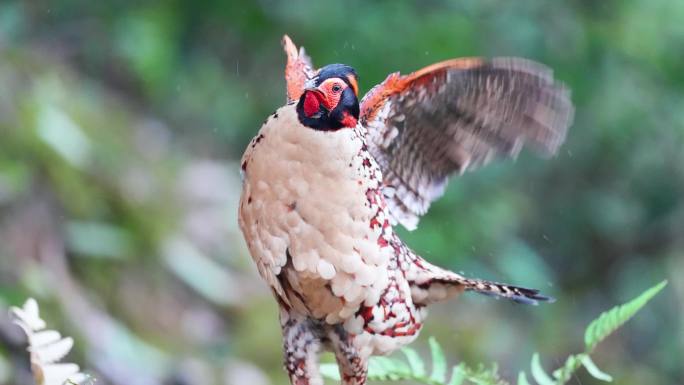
point(329, 176)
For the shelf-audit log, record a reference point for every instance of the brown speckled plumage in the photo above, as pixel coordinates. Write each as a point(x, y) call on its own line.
point(318, 207)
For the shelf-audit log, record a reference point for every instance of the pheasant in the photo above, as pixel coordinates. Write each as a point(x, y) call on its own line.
point(327, 177)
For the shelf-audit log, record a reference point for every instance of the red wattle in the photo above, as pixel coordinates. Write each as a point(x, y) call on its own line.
point(311, 104)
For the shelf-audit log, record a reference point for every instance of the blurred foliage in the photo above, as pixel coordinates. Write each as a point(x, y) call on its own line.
point(121, 124)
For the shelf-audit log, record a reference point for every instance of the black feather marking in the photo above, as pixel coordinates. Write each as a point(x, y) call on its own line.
point(514, 293)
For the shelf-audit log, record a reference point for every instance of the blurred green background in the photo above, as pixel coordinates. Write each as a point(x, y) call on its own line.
point(121, 124)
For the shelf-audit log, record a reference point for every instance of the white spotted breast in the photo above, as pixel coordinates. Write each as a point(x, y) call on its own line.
point(315, 196)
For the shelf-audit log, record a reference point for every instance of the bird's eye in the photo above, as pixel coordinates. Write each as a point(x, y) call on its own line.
point(336, 88)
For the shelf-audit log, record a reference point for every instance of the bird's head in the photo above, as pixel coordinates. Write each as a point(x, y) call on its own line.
point(330, 101)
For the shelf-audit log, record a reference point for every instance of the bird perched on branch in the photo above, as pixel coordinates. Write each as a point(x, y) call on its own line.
point(327, 177)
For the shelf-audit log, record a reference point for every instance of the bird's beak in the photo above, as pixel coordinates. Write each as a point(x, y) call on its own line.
point(319, 95)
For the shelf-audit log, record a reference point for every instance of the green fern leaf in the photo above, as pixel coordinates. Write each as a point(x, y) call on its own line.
point(439, 365)
point(330, 371)
point(415, 362)
point(484, 376)
point(522, 378)
point(564, 373)
point(385, 368)
point(458, 374)
point(413, 369)
point(594, 370)
point(612, 319)
point(538, 372)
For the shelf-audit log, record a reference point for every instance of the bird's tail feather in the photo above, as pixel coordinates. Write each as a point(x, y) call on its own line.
point(502, 290)
point(425, 276)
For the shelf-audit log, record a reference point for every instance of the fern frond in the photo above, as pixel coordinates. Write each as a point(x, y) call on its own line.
point(594, 370)
point(458, 374)
point(46, 348)
point(565, 372)
point(483, 375)
point(439, 365)
point(612, 319)
point(413, 367)
point(597, 331)
point(538, 372)
point(415, 362)
point(329, 370)
point(522, 378)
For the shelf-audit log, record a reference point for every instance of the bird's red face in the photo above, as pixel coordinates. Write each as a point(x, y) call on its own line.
point(331, 105)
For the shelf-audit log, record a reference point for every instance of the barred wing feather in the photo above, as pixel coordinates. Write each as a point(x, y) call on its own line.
point(456, 116)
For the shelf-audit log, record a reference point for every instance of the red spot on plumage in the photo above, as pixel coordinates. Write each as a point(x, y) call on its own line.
point(366, 313)
point(382, 242)
point(371, 196)
point(348, 120)
point(374, 222)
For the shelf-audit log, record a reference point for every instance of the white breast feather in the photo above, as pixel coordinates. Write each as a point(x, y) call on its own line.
point(305, 190)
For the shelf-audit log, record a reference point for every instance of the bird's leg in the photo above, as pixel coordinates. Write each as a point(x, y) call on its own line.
point(301, 345)
point(352, 364)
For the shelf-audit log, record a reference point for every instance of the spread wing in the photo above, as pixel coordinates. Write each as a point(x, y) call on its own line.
point(456, 116)
point(298, 69)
